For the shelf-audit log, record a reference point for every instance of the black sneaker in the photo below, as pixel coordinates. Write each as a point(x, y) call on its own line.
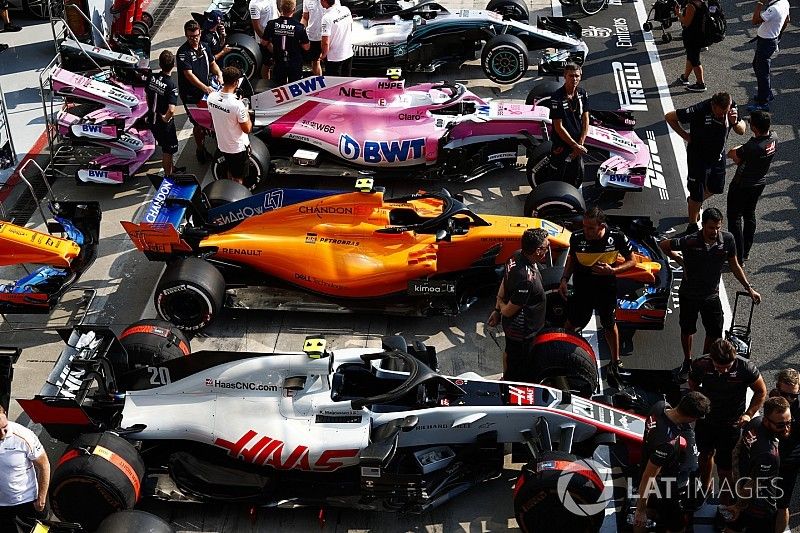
point(682, 80)
point(11, 28)
point(696, 87)
point(683, 371)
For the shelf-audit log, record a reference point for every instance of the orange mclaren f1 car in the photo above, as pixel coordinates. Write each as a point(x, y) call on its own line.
point(63, 259)
point(315, 250)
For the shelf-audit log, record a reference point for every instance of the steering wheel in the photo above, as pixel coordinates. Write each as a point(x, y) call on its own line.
point(416, 376)
point(456, 91)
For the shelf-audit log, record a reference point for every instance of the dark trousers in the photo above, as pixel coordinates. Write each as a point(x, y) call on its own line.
point(284, 72)
point(339, 68)
point(742, 203)
point(762, 60)
point(20, 518)
point(562, 168)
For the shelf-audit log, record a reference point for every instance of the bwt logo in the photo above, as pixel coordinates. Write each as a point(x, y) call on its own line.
point(293, 90)
point(378, 152)
point(629, 86)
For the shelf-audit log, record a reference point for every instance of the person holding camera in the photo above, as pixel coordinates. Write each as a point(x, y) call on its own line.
point(232, 125)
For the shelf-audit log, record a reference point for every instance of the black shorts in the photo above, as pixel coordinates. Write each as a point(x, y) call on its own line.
point(589, 297)
point(702, 177)
point(266, 56)
point(710, 311)
point(786, 482)
point(339, 68)
point(21, 517)
point(165, 135)
point(719, 440)
point(693, 55)
point(314, 52)
point(753, 524)
point(238, 164)
point(669, 510)
point(516, 357)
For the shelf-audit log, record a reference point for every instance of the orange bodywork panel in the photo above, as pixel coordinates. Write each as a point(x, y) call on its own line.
point(160, 238)
point(645, 270)
point(22, 245)
point(333, 245)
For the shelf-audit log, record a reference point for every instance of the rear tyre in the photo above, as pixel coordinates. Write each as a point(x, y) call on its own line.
point(259, 162)
point(555, 201)
point(225, 191)
point(538, 500)
point(556, 310)
point(512, 9)
point(190, 293)
point(98, 475)
point(152, 342)
point(538, 164)
point(133, 521)
point(504, 59)
point(541, 91)
point(246, 55)
point(564, 360)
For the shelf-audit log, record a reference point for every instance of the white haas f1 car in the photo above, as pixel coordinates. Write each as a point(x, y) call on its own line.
point(367, 428)
point(347, 127)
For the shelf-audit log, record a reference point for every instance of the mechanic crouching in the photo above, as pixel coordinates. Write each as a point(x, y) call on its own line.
point(521, 303)
point(286, 40)
point(669, 457)
point(756, 468)
point(724, 378)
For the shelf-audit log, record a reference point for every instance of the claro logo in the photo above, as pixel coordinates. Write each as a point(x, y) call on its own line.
point(629, 86)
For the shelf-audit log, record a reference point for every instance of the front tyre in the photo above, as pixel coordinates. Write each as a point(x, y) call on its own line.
point(258, 161)
point(504, 59)
point(555, 201)
point(246, 55)
point(190, 293)
point(538, 164)
point(544, 494)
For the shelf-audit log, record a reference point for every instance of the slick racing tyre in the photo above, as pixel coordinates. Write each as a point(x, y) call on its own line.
point(538, 164)
point(504, 59)
point(259, 161)
point(99, 474)
point(152, 342)
point(542, 91)
point(512, 9)
point(556, 306)
point(134, 522)
point(574, 505)
point(246, 55)
point(555, 201)
point(190, 293)
point(225, 191)
point(563, 360)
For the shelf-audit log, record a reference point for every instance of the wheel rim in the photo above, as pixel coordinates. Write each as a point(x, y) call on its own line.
point(185, 308)
point(239, 60)
point(505, 64)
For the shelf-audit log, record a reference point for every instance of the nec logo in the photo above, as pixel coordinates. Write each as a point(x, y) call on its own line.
point(629, 86)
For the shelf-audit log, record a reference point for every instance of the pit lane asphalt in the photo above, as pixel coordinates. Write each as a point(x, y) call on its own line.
point(124, 279)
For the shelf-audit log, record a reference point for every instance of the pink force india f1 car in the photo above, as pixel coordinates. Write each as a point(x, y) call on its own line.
point(349, 127)
point(366, 428)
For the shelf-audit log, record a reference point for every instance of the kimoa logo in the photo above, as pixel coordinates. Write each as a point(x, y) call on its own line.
point(588, 469)
point(629, 86)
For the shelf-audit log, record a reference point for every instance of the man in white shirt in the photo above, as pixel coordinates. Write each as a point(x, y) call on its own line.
point(232, 123)
point(261, 12)
point(336, 40)
point(24, 477)
point(771, 17)
point(312, 20)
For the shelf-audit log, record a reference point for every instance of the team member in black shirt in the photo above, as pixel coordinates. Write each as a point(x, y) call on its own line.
point(724, 378)
point(753, 160)
point(162, 97)
point(214, 34)
point(787, 386)
point(569, 110)
point(286, 39)
point(669, 457)
point(196, 66)
point(521, 302)
point(702, 256)
point(592, 262)
point(756, 465)
point(709, 122)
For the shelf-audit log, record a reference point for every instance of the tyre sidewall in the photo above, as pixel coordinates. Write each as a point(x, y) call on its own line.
point(170, 294)
point(498, 50)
